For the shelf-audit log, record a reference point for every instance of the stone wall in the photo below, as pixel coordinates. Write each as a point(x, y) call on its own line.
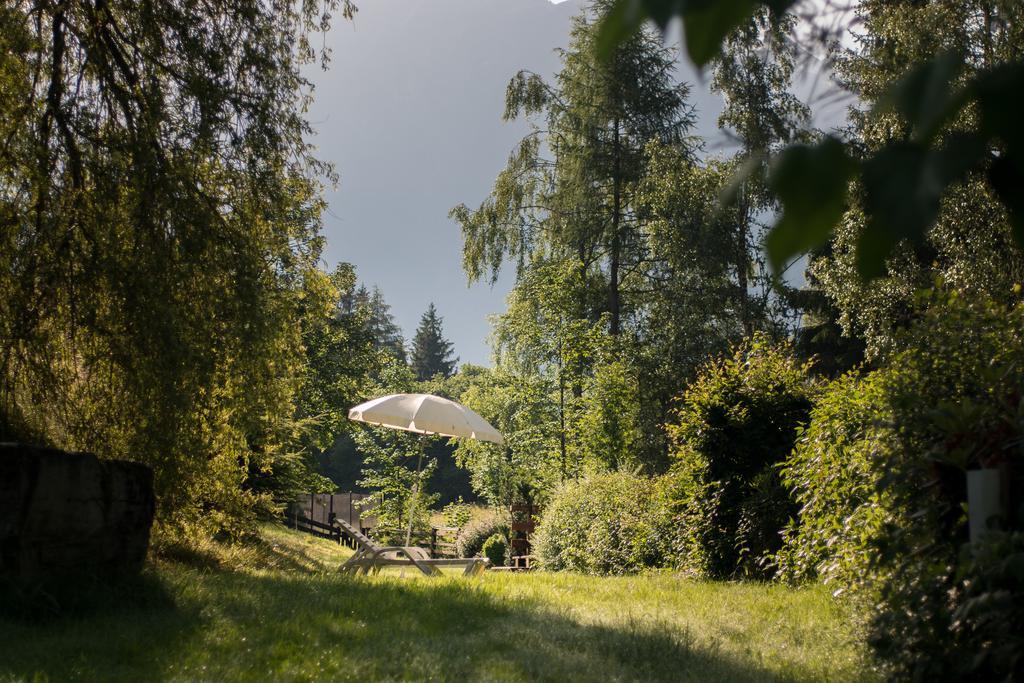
point(71, 515)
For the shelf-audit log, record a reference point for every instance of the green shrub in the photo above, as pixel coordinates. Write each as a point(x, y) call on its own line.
point(472, 537)
point(988, 621)
point(834, 479)
point(496, 550)
point(738, 421)
point(880, 477)
point(603, 524)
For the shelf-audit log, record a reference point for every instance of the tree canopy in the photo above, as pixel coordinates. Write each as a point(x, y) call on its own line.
point(159, 235)
point(950, 112)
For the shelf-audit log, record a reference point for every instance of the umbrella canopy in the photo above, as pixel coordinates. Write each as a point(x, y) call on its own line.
point(425, 414)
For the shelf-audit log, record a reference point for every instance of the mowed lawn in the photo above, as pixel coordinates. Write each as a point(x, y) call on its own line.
point(277, 610)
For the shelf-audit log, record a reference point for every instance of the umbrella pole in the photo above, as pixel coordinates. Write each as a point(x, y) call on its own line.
point(412, 499)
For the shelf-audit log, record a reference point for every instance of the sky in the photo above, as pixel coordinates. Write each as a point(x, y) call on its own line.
point(409, 112)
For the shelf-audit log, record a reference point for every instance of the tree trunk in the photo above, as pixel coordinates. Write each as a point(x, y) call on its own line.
point(742, 255)
point(561, 412)
point(614, 304)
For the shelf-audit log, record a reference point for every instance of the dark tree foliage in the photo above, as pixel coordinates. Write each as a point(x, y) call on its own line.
point(820, 336)
point(738, 421)
point(379, 324)
point(431, 352)
point(966, 237)
point(880, 478)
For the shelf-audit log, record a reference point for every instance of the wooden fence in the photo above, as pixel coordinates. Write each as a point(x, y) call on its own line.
point(314, 513)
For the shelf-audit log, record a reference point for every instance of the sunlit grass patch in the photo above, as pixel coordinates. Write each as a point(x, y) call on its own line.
point(240, 620)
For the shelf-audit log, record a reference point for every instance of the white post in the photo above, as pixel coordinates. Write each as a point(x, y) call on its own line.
point(984, 500)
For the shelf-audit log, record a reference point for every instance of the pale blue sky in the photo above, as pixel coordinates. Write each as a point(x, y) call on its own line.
point(410, 114)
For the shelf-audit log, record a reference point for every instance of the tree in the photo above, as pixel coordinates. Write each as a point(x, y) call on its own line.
point(380, 325)
point(753, 74)
point(968, 243)
point(159, 218)
point(340, 360)
point(578, 205)
point(384, 331)
point(431, 352)
point(966, 81)
point(395, 469)
point(567, 209)
point(523, 409)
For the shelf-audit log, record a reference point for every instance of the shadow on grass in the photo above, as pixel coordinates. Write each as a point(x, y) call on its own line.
point(236, 626)
point(78, 597)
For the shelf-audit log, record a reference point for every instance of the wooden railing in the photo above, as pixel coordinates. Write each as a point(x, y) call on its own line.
point(315, 514)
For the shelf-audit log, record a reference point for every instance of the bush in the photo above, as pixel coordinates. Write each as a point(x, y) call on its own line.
point(834, 479)
point(988, 620)
point(604, 524)
point(880, 476)
point(738, 421)
point(472, 537)
point(496, 550)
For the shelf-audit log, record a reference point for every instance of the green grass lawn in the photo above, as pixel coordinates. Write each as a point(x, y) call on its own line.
point(276, 610)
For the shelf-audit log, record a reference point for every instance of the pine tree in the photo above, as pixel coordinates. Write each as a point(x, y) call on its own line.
point(380, 325)
point(431, 352)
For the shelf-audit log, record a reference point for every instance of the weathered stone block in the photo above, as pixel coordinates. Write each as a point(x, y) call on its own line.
point(71, 515)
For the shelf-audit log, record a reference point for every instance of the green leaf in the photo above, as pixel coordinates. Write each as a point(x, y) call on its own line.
point(705, 28)
point(926, 97)
point(1000, 94)
point(811, 183)
point(903, 185)
point(623, 20)
point(1008, 182)
point(706, 23)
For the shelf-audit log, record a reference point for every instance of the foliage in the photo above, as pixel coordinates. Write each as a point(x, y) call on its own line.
point(338, 358)
point(968, 241)
point(431, 352)
point(989, 617)
point(379, 324)
point(521, 408)
point(948, 113)
point(394, 468)
point(968, 354)
point(159, 217)
point(602, 524)
point(472, 537)
point(457, 513)
point(737, 422)
point(565, 211)
point(834, 478)
point(820, 335)
point(610, 421)
point(880, 476)
point(495, 549)
point(625, 281)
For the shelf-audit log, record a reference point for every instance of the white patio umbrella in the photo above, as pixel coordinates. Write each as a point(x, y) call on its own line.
point(424, 414)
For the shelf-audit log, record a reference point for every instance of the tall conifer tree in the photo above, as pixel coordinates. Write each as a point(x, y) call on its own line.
point(431, 352)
